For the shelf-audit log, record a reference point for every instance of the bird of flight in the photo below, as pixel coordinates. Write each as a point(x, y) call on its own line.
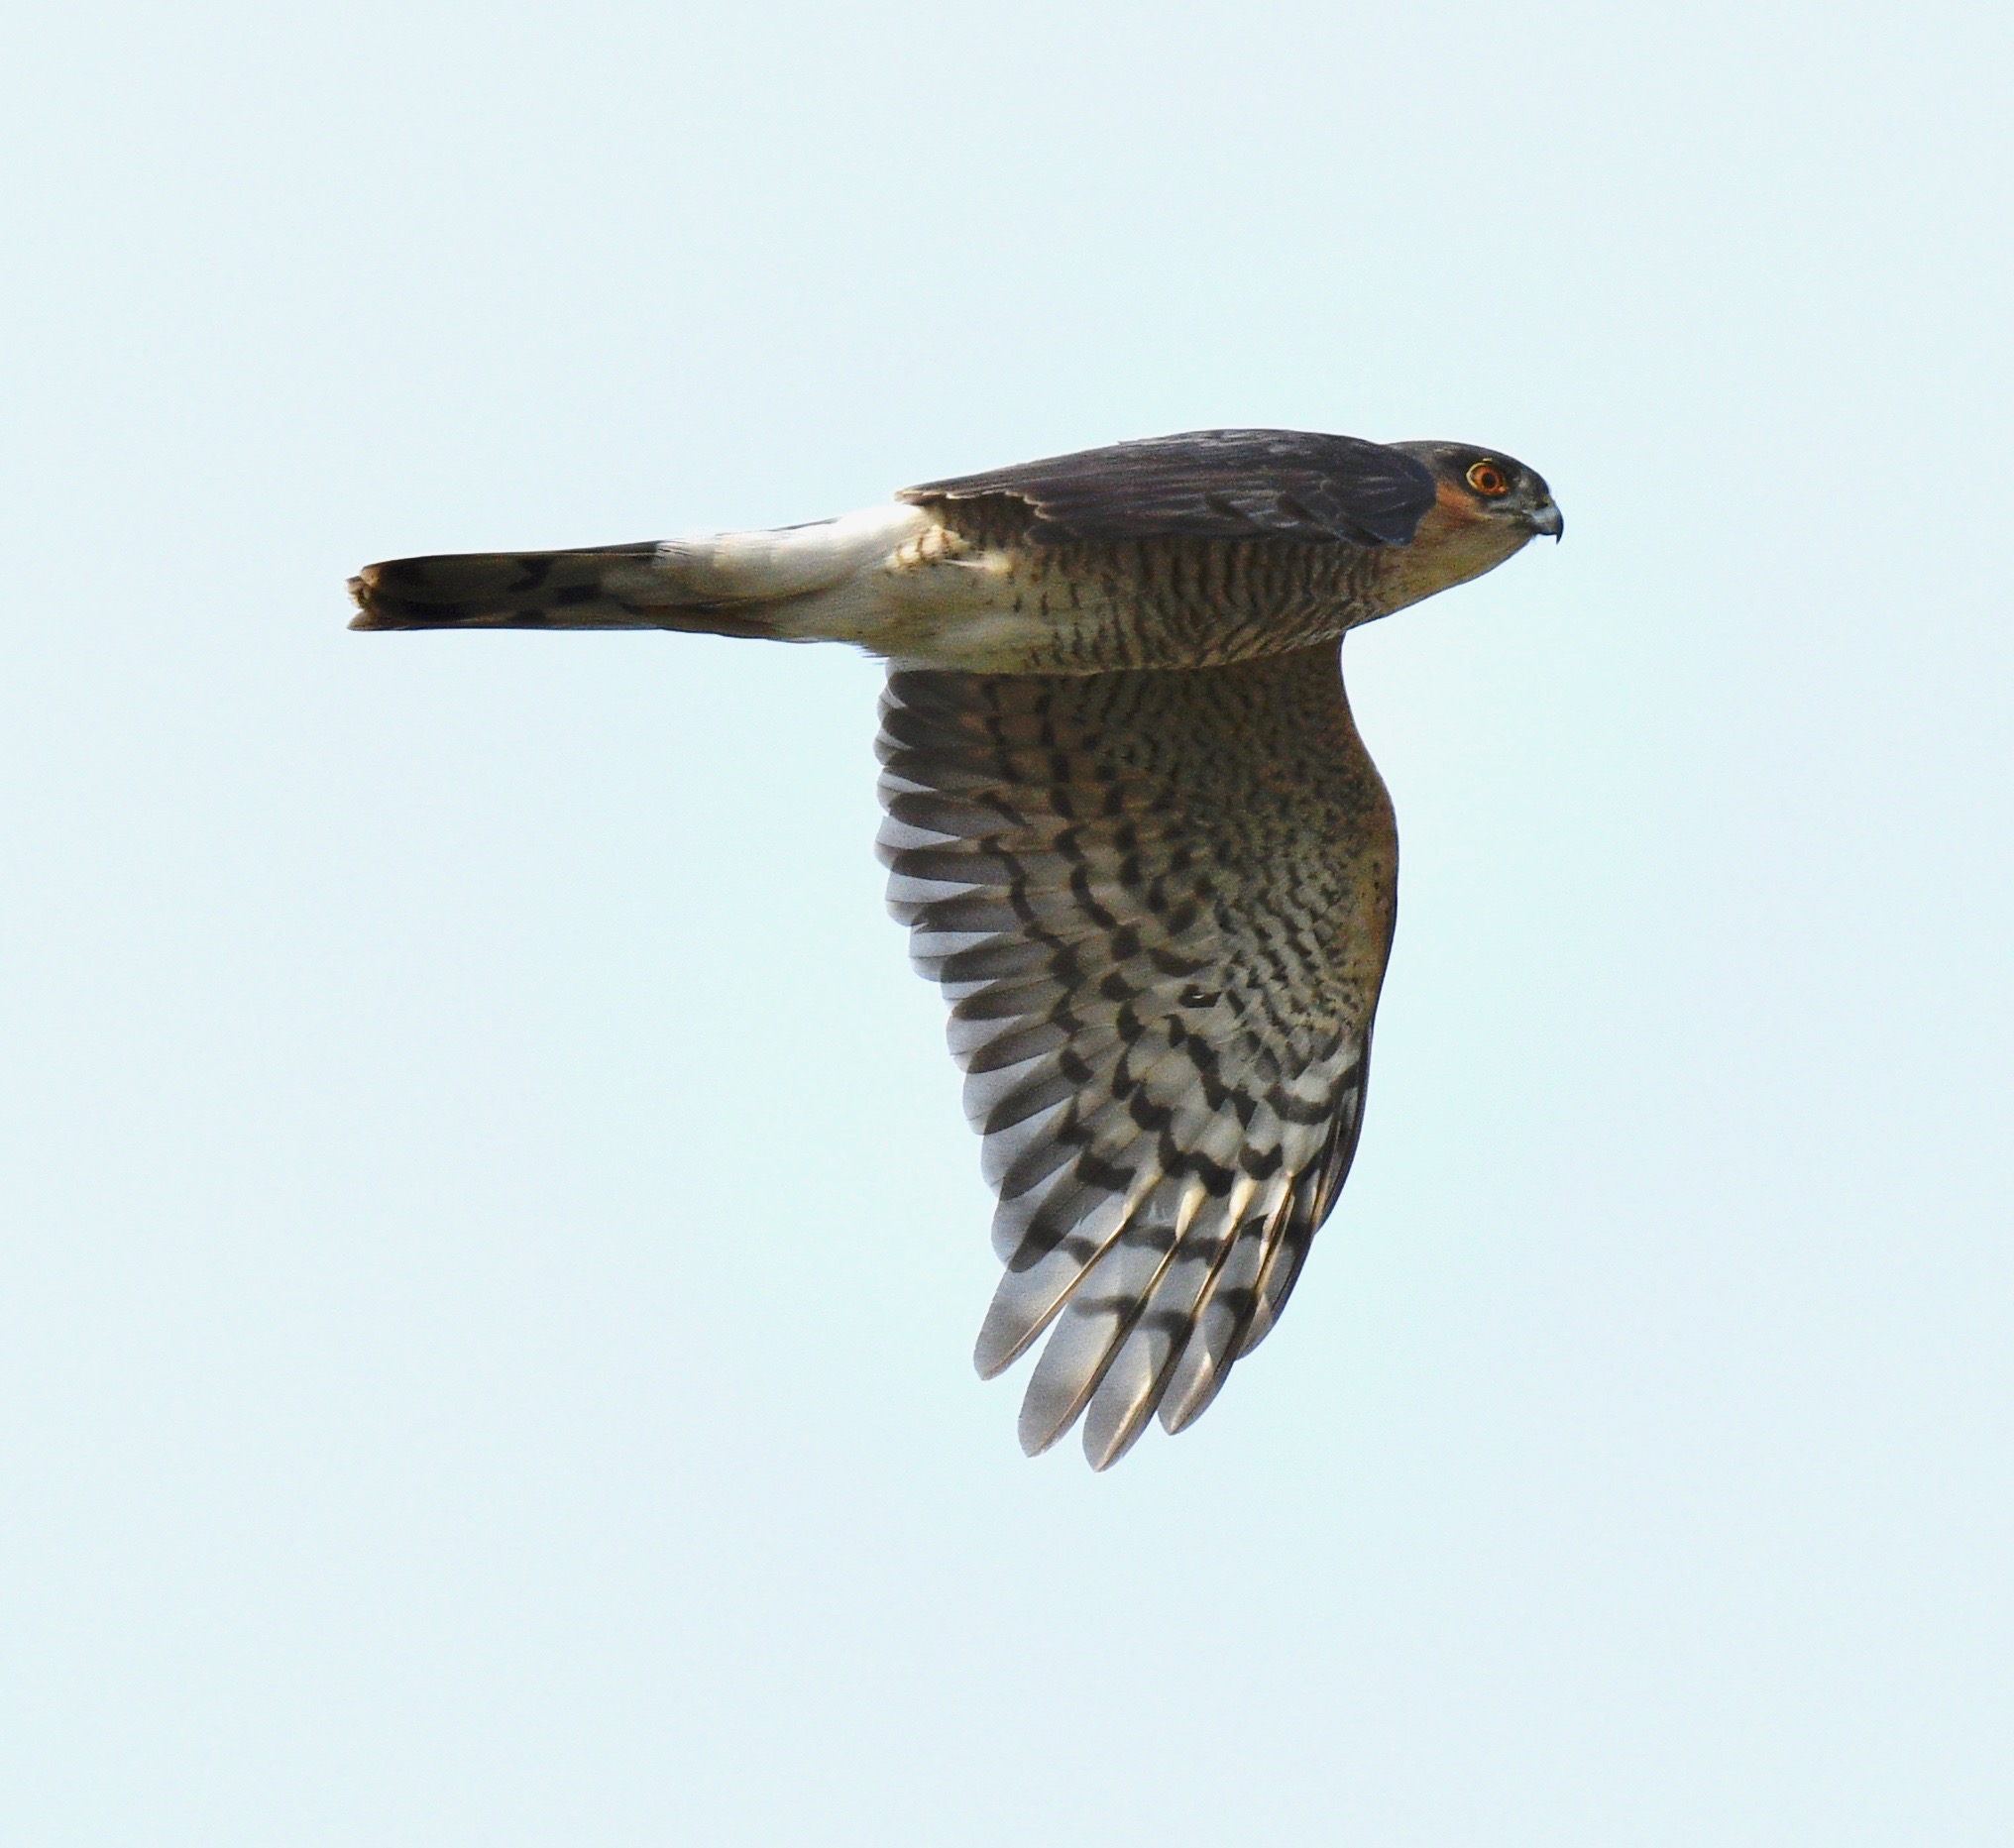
point(1131, 827)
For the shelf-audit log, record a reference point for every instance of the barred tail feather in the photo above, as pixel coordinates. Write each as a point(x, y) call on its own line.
point(592, 589)
point(795, 584)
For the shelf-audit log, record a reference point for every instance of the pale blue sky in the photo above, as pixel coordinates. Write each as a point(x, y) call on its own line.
point(491, 1248)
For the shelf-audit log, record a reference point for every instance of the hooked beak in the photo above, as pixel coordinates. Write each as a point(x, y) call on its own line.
point(1547, 521)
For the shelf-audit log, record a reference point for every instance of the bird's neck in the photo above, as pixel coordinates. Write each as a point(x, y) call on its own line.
point(1451, 546)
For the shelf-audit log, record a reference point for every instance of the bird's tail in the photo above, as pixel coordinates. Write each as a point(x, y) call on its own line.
point(795, 584)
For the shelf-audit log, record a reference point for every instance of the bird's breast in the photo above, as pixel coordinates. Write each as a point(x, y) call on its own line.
point(979, 603)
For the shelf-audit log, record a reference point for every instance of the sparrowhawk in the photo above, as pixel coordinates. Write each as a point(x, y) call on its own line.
point(1131, 827)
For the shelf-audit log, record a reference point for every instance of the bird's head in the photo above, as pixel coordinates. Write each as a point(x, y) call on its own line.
point(1485, 506)
point(1472, 483)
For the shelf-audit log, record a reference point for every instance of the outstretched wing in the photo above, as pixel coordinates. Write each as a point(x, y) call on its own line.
point(1214, 484)
point(1159, 903)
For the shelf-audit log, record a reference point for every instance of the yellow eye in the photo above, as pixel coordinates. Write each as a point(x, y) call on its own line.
point(1487, 479)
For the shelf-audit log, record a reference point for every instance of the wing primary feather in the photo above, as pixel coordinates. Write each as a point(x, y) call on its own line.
point(1138, 1372)
point(1030, 1297)
point(1219, 1322)
point(1100, 1310)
